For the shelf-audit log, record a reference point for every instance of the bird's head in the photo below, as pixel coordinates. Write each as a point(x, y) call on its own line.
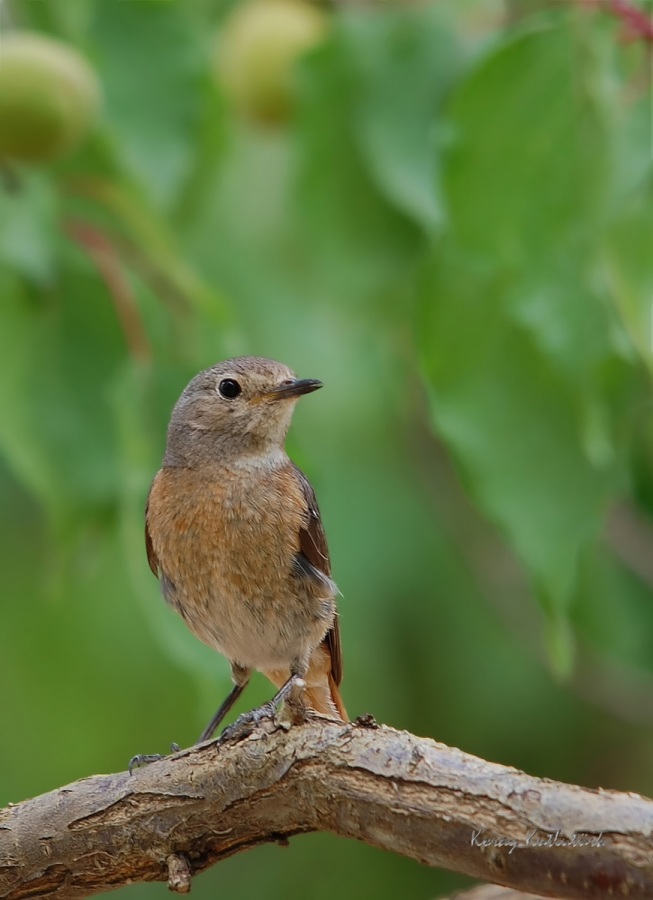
point(237, 408)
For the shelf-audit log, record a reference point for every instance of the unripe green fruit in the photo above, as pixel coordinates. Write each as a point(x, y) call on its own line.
point(49, 97)
point(256, 51)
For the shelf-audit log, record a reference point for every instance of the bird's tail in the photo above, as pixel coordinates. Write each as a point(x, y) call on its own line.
point(324, 697)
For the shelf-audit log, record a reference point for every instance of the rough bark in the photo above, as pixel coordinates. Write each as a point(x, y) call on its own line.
point(493, 892)
point(410, 795)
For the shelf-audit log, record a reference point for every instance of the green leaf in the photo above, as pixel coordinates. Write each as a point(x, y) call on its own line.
point(68, 20)
point(56, 359)
point(153, 76)
point(355, 234)
point(511, 420)
point(28, 457)
point(526, 172)
point(522, 354)
point(630, 249)
point(559, 640)
point(28, 224)
point(405, 60)
point(613, 609)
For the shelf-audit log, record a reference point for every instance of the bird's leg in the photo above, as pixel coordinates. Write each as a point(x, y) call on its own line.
point(294, 699)
point(290, 692)
point(241, 679)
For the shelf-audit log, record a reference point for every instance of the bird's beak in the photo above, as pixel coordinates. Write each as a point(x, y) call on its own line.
point(294, 389)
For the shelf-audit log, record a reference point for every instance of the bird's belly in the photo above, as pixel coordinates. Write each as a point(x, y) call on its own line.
point(261, 629)
point(231, 573)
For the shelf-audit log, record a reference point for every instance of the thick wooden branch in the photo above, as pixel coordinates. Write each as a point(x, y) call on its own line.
point(391, 789)
point(493, 892)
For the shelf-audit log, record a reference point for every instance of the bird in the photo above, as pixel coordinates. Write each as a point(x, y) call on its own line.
point(234, 534)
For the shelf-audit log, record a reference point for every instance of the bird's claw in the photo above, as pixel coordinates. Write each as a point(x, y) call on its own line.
point(144, 759)
point(291, 694)
point(247, 723)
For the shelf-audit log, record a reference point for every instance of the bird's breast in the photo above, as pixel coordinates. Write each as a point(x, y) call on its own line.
point(227, 542)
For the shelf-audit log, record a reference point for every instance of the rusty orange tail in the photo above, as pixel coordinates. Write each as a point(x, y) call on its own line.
point(324, 697)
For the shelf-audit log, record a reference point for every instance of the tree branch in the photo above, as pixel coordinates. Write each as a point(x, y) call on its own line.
point(493, 892)
point(390, 789)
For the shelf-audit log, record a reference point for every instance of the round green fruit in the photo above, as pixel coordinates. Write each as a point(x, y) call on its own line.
point(49, 97)
point(256, 51)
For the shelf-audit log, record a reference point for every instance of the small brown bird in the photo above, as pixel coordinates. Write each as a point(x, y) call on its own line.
point(233, 532)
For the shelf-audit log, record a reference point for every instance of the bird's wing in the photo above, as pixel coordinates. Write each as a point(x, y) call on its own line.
point(313, 545)
point(168, 588)
point(152, 558)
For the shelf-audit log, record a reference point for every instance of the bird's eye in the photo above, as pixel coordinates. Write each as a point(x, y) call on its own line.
point(229, 388)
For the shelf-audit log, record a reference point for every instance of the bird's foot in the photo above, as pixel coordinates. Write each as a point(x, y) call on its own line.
point(144, 759)
point(291, 693)
point(248, 722)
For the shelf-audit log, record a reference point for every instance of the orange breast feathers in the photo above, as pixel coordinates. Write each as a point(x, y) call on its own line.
point(250, 525)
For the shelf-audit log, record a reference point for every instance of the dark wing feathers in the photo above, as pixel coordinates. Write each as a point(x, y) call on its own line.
point(312, 539)
point(152, 558)
point(313, 545)
point(168, 589)
point(332, 641)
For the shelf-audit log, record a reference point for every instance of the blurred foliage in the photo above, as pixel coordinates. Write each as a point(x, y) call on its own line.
point(453, 228)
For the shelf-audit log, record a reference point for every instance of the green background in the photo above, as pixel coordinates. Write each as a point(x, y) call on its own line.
point(454, 231)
